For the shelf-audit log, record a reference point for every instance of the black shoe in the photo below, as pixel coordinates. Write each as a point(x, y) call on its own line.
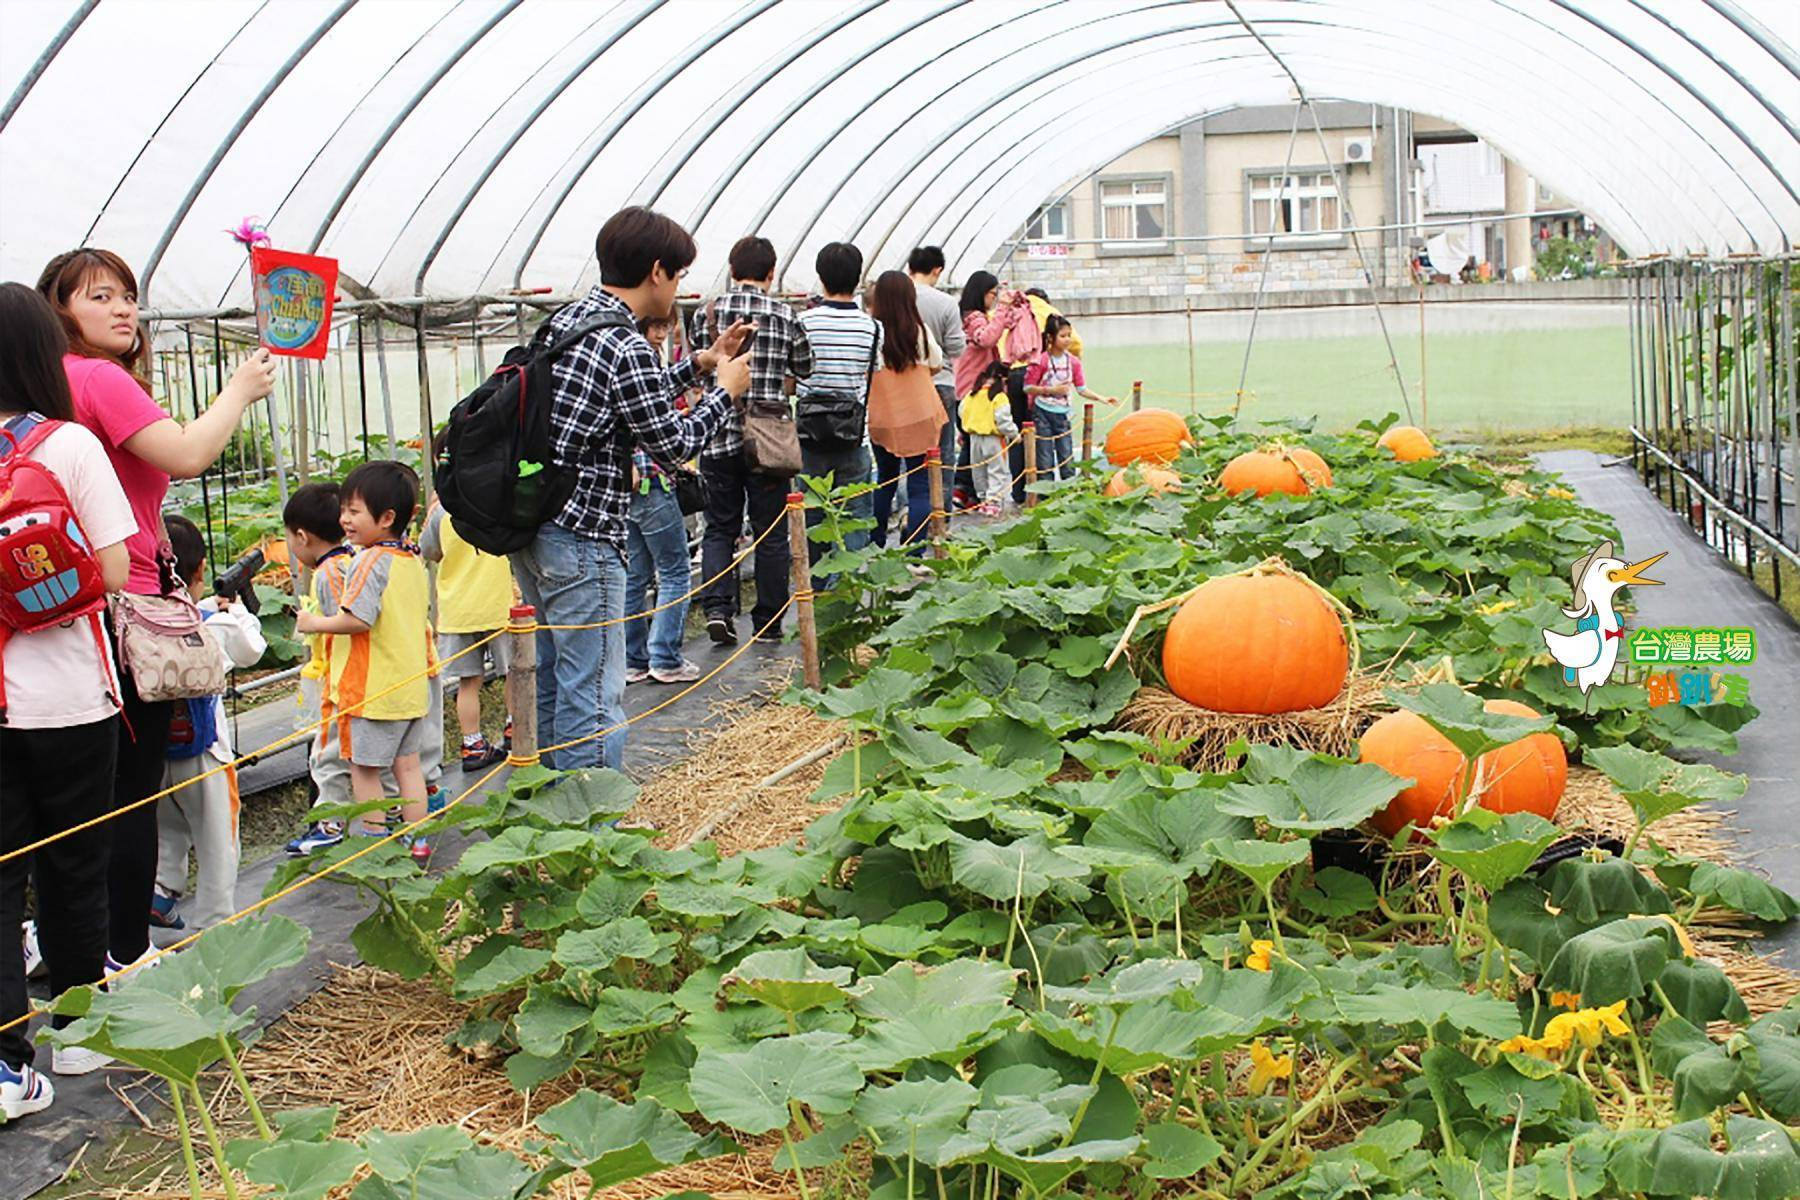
point(722, 630)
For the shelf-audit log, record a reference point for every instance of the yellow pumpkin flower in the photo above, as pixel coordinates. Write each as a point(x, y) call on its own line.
point(1569, 1000)
point(1588, 1025)
point(1266, 1068)
point(1560, 493)
point(1497, 607)
point(1259, 955)
point(1543, 1047)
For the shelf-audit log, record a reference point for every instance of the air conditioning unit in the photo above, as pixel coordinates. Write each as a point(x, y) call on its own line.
point(1359, 150)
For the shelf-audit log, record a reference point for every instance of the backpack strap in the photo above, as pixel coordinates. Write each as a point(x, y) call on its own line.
point(606, 320)
point(25, 432)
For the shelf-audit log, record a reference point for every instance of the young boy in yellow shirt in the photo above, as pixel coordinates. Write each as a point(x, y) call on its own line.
point(475, 596)
point(383, 683)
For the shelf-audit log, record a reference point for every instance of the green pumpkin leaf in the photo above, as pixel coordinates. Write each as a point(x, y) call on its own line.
point(610, 897)
point(1701, 992)
point(622, 1011)
point(398, 1157)
point(1335, 892)
point(1705, 1074)
point(303, 1170)
point(1320, 794)
point(1656, 786)
point(1151, 979)
point(896, 1116)
point(547, 1018)
point(497, 965)
point(787, 980)
point(1742, 891)
point(596, 949)
point(667, 1069)
point(749, 1090)
point(1025, 868)
point(1616, 961)
point(1778, 1061)
point(1492, 849)
point(1761, 1163)
point(1576, 1169)
point(1462, 719)
point(1595, 892)
point(1386, 1004)
point(613, 1142)
point(1260, 862)
point(1174, 1151)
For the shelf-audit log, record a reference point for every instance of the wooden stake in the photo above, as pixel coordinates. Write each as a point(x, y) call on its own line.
point(934, 476)
point(1087, 431)
point(1137, 395)
point(521, 684)
point(801, 582)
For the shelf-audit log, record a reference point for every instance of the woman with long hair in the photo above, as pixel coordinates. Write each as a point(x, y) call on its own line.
point(60, 735)
point(990, 314)
point(107, 364)
point(905, 344)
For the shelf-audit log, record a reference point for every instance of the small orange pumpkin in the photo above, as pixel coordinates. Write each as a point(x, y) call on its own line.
point(1408, 443)
point(1258, 643)
point(1294, 470)
point(1525, 776)
point(1151, 435)
point(1157, 479)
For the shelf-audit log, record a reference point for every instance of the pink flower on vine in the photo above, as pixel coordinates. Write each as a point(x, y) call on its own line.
point(249, 233)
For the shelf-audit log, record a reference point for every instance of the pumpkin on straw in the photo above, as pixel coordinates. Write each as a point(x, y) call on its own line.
point(1261, 655)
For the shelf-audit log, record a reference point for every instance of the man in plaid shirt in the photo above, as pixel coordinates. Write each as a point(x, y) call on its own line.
point(612, 394)
point(780, 352)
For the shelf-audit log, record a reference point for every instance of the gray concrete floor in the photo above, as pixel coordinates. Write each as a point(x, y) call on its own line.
point(1702, 589)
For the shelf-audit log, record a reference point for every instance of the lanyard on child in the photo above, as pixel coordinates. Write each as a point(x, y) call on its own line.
point(332, 553)
point(400, 544)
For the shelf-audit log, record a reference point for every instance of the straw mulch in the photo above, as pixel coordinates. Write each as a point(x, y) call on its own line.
point(1330, 730)
point(714, 793)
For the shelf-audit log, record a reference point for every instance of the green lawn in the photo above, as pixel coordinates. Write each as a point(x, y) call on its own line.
point(1478, 382)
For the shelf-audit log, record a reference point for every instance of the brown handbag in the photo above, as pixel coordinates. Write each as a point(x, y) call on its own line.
point(905, 413)
point(771, 440)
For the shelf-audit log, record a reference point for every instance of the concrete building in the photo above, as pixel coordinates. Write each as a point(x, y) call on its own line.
point(1115, 233)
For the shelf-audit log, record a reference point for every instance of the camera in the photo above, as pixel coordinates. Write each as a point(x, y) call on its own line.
point(239, 583)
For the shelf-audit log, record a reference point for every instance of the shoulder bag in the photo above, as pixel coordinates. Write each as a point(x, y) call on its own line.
point(831, 420)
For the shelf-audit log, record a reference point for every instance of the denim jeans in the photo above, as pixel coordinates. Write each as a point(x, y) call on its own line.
point(918, 498)
point(732, 489)
point(658, 543)
point(576, 580)
point(1055, 444)
point(1021, 412)
point(948, 437)
point(846, 468)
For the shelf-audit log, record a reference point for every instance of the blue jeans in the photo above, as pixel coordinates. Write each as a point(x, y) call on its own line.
point(846, 468)
point(1055, 444)
point(576, 580)
point(658, 543)
point(918, 498)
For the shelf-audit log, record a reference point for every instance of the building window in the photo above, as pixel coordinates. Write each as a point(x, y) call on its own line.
point(1134, 210)
point(1306, 208)
point(1050, 223)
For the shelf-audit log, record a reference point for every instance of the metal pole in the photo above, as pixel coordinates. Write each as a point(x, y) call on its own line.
point(302, 421)
point(802, 585)
point(362, 385)
point(1087, 431)
point(1424, 391)
point(1028, 431)
point(425, 422)
point(934, 477)
point(521, 685)
point(1188, 303)
point(387, 399)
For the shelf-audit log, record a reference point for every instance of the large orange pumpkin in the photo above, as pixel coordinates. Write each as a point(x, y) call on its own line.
point(1151, 435)
point(1525, 776)
point(1294, 470)
point(1408, 443)
point(1157, 479)
point(1258, 643)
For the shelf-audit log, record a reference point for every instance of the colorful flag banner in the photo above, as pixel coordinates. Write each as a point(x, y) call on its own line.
point(294, 297)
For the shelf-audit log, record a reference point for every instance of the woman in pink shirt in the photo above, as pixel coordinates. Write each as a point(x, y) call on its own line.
point(989, 314)
point(95, 294)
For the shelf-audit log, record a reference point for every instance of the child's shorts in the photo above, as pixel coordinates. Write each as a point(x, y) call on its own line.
point(469, 666)
point(379, 743)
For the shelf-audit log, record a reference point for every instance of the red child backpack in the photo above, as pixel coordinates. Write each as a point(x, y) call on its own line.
point(48, 572)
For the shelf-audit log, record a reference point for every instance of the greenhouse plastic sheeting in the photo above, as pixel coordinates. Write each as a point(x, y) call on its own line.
point(451, 147)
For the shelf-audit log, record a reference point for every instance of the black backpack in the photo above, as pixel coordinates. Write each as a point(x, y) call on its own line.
point(496, 477)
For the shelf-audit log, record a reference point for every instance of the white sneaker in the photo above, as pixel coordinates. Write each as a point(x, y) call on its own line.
point(149, 960)
point(23, 1091)
point(636, 674)
point(77, 1060)
point(687, 672)
point(34, 957)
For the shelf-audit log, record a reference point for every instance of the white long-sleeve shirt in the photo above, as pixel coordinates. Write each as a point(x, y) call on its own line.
point(238, 633)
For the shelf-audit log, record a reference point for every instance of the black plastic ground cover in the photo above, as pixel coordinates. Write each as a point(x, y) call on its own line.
point(36, 1151)
point(1701, 588)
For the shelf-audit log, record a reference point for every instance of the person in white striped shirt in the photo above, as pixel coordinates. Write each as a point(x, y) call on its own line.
point(832, 404)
